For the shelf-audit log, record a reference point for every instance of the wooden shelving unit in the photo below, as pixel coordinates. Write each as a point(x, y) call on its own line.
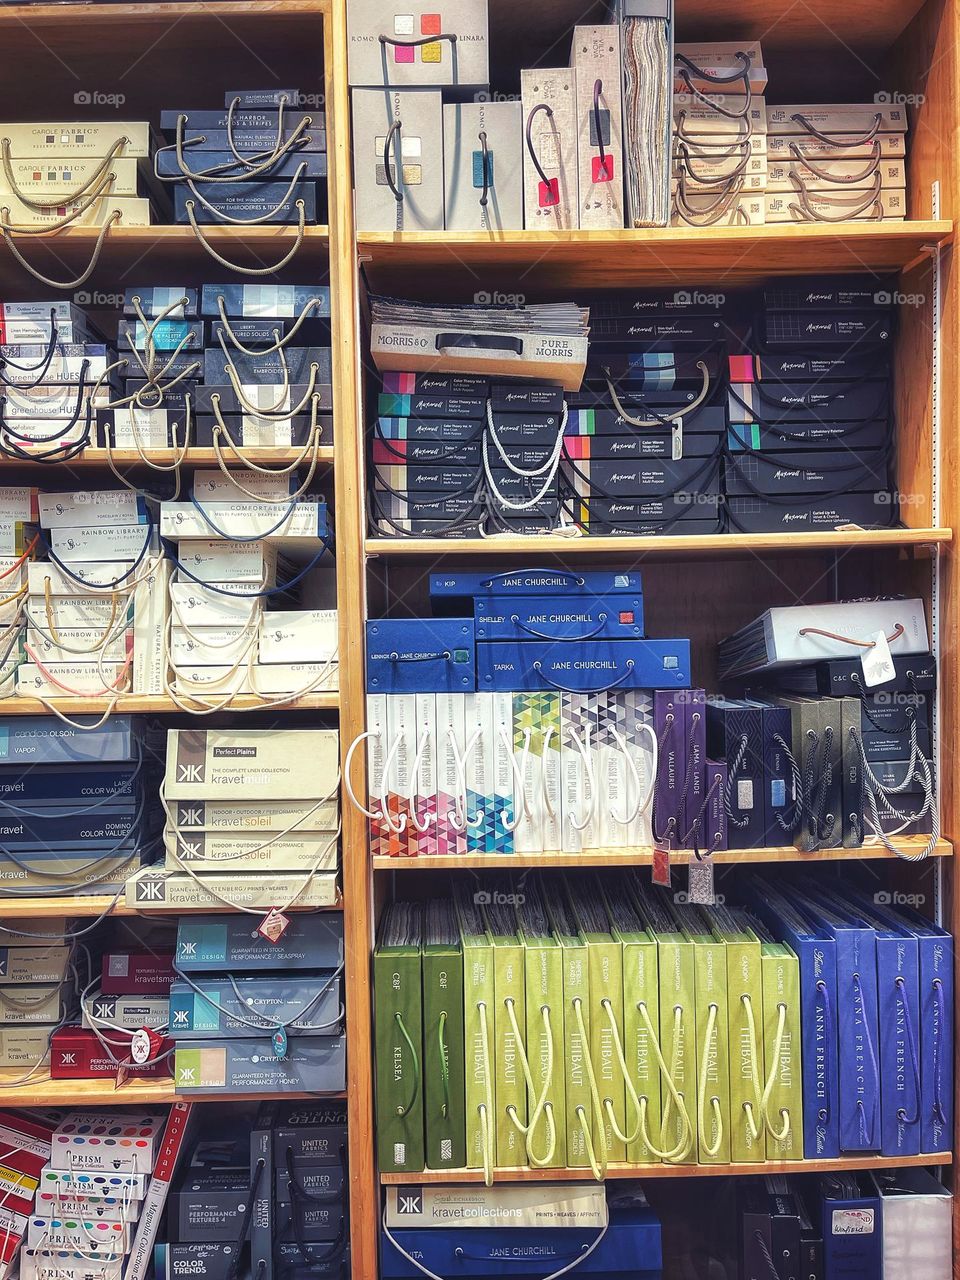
point(662, 255)
point(181, 53)
point(43, 1092)
point(129, 460)
point(154, 704)
point(594, 859)
point(672, 546)
point(669, 1170)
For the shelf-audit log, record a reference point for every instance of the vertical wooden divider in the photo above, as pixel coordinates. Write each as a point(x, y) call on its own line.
point(351, 603)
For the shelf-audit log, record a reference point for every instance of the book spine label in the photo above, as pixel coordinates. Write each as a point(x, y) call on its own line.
point(510, 1093)
point(745, 1009)
point(528, 759)
point(641, 991)
point(678, 1041)
point(710, 976)
point(425, 775)
point(605, 960)
point(171, 1146)
point(500, 836)
point(451, 835)
point(443, 1035)
point(782, 1056)
point(576, 1047)
point(261, 1212)
point(478, 1019)
point(543, 966)
point(478, 727)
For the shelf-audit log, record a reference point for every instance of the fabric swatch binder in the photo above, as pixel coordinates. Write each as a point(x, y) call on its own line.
point(647, 36)
point(546, 1136)
point(479, 997)
point(399, 1035)
point(509, 1017)
point(443, 1060)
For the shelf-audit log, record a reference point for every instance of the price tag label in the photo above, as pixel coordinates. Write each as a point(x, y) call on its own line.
point(877, 663)
point(273, 925)
point(661, 865)
point(700, 888)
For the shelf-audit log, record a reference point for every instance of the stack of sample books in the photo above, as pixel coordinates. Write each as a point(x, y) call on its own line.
point(55, 367)
point(226, 578)
point(545, 341)
point(810, 409)
point(861, 738)
point(254, 1015)
point(719, 144)
point(836, 162)
point(26, 1146)
point(94, 1192)
point(284, 1165)
point(18, 541)
point(252, 817)
point(160, 341)
point(457, 454)
point(644, 433)
point(75, 804)
point(36, 996)
point(530, 727)
point(261, 159)
point(77, 174)
point(123, 1023)
point(96, 603)
point(614, 1231)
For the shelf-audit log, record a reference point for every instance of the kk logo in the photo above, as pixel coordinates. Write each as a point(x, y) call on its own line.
point(191, 816)
point(180, 1018)
point(188, 949)
point(105, 1009)
point(409, 1200)
point(150, 891)
point(68, 1059)
point(188, 1075)
point(190, 773)
point(189, 848)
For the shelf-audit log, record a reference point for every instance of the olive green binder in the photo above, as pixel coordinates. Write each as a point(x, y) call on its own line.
point(713, 1056)
point(745, 1029)
point(478, 1034)
point(782, 1096)
point(605, 971)
point(580, 1085)
point(398, 1022)
point(509, 1018)
point(546, 1140)
point(677, 1025)
point(641, 996)
point(443, 1062)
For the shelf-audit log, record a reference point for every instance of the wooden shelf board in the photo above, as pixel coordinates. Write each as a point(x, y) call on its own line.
point(722, 544)
point(143, 704)
point(130, 458)
point(644, 857)
point(561, 260)
point(123, 15)
point(668, 1170)
point(143, 252)
point(61, 1093)
point(89, 906)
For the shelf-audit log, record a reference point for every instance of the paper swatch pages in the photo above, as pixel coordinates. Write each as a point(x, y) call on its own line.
point(647, 34)
point(545, 341)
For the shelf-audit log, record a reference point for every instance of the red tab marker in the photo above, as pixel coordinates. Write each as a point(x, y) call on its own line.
point(661, 866)
point(549, 193)
point(602, 167)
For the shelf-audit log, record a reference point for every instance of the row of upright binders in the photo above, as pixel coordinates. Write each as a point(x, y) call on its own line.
point(668, 411)
point(579, 1022)
point(548, 722)
point(636, 130)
